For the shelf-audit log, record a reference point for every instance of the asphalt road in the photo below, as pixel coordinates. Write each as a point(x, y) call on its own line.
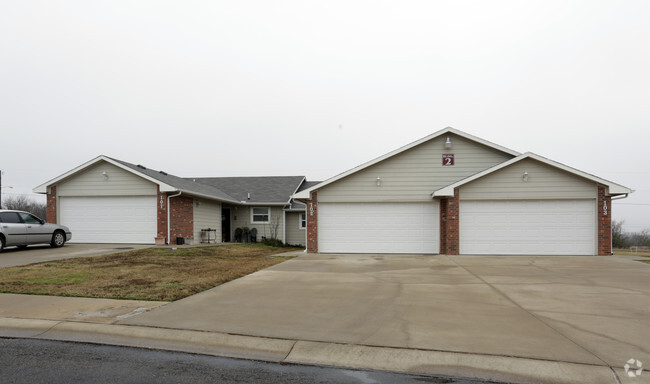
point(40, 361)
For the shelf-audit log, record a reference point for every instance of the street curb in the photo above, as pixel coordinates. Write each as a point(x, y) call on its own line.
point(209, 343)
point(414, 361)
point(455, 364)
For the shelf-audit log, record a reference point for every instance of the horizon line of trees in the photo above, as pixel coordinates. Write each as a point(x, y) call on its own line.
point(25, 203)
point(623, 239)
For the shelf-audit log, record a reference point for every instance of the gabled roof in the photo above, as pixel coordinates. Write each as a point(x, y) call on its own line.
point(264, 190)
point(164, 187)
point(306, 193)
point(255, 190)
point(179, 184)
point(614, 189)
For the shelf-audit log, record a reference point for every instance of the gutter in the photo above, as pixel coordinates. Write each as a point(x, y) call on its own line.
point(169, 212)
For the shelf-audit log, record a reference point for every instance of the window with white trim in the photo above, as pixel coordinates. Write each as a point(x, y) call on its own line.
point(260, 215)
point(303, 221)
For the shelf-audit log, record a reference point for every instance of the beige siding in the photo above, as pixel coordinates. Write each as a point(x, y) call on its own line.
point(413, 175)
point(207, 214)
point(544, 182)
point(91, 182)
point(295, 235)
point(242, 218)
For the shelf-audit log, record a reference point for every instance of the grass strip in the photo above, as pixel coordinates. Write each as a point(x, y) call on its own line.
point(163, 274)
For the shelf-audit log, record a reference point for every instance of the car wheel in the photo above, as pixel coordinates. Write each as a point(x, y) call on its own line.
point(58, 239)
point(2, 243)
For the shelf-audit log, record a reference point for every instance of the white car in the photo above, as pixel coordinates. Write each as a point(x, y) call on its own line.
point(21, 229)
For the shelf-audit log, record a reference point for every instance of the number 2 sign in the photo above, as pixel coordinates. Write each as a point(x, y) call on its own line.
point(447, 159)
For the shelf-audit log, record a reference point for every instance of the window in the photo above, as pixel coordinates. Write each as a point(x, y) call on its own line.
point(30, 219)
point(10, 217)
point(261, 215)
point(303, 221)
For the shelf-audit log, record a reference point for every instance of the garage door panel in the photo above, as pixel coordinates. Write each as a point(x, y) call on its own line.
point(110, 219)
point(378, 228)
point(545, 227)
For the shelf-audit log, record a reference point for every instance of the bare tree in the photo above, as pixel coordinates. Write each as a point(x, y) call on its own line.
point(619, 238)
point(274, 226)
point(25, 203)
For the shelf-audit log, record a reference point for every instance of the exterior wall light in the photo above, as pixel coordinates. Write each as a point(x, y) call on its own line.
point(379, 181)
point(105, 175)
point(448, 143)
point(525, 176)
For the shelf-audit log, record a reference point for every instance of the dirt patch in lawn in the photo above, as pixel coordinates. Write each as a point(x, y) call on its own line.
point(147, 274)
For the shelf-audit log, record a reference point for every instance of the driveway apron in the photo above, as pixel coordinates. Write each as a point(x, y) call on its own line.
point(588, 310)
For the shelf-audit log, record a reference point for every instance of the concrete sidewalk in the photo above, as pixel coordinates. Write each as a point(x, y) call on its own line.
point(517, 319)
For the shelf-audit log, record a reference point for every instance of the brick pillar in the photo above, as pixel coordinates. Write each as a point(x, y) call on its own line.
point(312, 223)
point(604, 210)
point(452, 225)
point(161, 205)
point(181, 218)
point(443, 226)
point(50, 209)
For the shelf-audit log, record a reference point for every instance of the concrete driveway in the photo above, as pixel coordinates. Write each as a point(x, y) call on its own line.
point(12, 256)
point(593, 311)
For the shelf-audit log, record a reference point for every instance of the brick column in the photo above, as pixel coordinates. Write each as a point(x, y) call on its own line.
point(443, 226)
point(604, 210)
point(50, 209)
point(452, 225)
point(312, 223)
point(161, 205)
point(181, 218)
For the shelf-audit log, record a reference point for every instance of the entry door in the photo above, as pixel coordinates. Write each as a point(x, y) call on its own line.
point(225, 224)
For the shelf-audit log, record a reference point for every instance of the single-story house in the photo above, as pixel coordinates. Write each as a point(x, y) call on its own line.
point(454, 193)
point(111, 201)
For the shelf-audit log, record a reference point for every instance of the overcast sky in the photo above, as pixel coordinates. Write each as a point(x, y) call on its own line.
point(241, 88)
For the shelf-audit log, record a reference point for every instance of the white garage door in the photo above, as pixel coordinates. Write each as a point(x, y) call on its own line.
point(379, 228)
point(110, 219)
point(552, 227)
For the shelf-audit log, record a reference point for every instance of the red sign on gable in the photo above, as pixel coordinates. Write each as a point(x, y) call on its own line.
point(447, 159)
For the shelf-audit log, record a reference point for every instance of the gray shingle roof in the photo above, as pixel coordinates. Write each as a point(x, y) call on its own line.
point(308, 184)
point(182, 184)
point(263, 189)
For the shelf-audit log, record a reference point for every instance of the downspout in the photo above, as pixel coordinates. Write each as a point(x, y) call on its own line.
point(169, 212)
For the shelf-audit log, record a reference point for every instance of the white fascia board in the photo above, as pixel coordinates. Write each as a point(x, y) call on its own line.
point(306, 194)
point(203, 196)
point(613, 188)
point(294, 191)
point(43, 187)
point(255, 203)
point(295, 209)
